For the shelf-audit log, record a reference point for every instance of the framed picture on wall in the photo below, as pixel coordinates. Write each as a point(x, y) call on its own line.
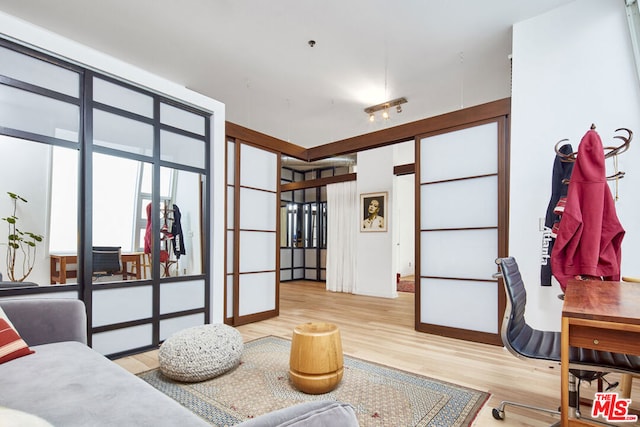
point(373, 207)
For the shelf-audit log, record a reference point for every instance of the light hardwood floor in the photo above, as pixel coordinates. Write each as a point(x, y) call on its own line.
point(382, 330)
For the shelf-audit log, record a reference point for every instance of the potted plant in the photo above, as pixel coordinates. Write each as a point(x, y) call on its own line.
point(21, 245)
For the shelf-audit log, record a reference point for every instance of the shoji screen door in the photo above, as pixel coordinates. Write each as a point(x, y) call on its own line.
point(252, 233)
point(460, 196)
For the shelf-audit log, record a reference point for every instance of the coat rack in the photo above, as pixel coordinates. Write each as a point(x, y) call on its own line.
point(609, 152)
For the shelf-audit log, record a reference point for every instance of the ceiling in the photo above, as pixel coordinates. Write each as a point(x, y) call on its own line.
point(255, 56)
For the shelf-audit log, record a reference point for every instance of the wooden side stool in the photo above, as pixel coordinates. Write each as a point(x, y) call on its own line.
point(316, 362)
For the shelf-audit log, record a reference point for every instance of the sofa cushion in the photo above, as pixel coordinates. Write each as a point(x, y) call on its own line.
point(11, 345)
point(69, 384)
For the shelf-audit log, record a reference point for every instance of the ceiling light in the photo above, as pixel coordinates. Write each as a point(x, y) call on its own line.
point(384, 107)
point(372, 117)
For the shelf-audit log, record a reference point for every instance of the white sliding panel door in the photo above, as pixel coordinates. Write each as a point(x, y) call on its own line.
point(229, 231)
point(459, 187)
point(255, 234)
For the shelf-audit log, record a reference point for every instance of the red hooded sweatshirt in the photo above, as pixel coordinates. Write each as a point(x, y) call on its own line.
point(590, 235)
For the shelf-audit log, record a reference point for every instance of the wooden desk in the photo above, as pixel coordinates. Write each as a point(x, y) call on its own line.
point(601, 316)
point(131, 266)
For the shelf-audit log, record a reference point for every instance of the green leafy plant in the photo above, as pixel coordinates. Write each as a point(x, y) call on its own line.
point(21, 245)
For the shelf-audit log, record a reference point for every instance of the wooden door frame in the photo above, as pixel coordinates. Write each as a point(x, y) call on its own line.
point(499, 111)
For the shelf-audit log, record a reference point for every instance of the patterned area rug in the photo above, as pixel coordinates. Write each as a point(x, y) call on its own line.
point(406, 286)
point(381, 396)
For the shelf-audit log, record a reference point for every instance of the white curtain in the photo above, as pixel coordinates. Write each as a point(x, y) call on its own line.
point(342, 233)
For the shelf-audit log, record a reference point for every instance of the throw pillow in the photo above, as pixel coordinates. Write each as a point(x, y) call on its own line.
point(11, 345)
point(15, 418)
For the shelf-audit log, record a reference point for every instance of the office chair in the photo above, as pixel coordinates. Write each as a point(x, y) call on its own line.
point(106, 261)
point(525, 342)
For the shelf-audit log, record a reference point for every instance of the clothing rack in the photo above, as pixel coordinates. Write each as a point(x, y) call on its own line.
point(609, 152)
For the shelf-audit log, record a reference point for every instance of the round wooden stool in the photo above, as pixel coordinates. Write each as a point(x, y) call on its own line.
point(315, 361)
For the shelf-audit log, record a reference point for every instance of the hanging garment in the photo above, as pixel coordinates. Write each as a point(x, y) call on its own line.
point(176, 229)
point(147, 232)
point(561, 172)
point(590, 235)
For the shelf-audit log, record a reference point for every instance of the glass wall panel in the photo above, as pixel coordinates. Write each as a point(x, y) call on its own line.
point(258, 252)
point(185, 243)
point(257, 293)
point(63, 231)
point(470, 203)
point(259, 168)
point(477, 143)
point(119, 340)
point(169, 327)
point(181, 119)
point(181, 149)
point(121, 133)
point(26, 172)
point(286, 175)
point(442, 301)
point(262, 215)
point(181, 296)
point(122, 97)
point(114, 196)
point(139, 305)
point(120, 217)
point(180, 223)
point(231, 162)
point(442, 251)
point(37, 72)
point(38, 114)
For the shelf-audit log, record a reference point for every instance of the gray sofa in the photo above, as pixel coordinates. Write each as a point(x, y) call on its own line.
point(66, 383)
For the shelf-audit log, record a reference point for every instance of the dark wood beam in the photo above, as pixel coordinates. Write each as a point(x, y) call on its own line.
point(409, 131)
point(407, 169)
point(312, 183)
point(259, 139)
point(389, 136)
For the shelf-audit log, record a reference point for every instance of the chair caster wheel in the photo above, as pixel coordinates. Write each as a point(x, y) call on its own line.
point(497, 414)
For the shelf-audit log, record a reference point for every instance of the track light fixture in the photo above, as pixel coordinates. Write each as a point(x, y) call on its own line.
point(384, 107)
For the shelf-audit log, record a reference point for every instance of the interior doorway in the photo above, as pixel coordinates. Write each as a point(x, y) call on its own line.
point(404, 234)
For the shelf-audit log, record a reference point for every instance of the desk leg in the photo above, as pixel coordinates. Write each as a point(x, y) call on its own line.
point(52, 270)
point(138, 263)
point(564, 373)
point(63, 270)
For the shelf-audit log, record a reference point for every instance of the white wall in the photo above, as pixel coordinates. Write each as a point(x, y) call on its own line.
point(571, 67)
point(29, 34)
point(32, 216)
point(376, 275)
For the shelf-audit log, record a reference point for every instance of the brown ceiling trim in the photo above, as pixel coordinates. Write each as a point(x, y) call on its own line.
point(408, 131)
point(259, 139)
point(377, 139)
point(313, 183)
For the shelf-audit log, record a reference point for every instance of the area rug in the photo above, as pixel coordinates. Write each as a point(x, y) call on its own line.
point(406, 286)
point(381, 396)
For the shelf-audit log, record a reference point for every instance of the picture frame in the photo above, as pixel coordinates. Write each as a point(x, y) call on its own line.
point(373, 220)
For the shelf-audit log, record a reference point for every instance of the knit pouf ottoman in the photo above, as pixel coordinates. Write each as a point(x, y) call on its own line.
point(200, 353)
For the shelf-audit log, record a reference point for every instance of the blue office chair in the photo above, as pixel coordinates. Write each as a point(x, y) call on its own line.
point(525, 342)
